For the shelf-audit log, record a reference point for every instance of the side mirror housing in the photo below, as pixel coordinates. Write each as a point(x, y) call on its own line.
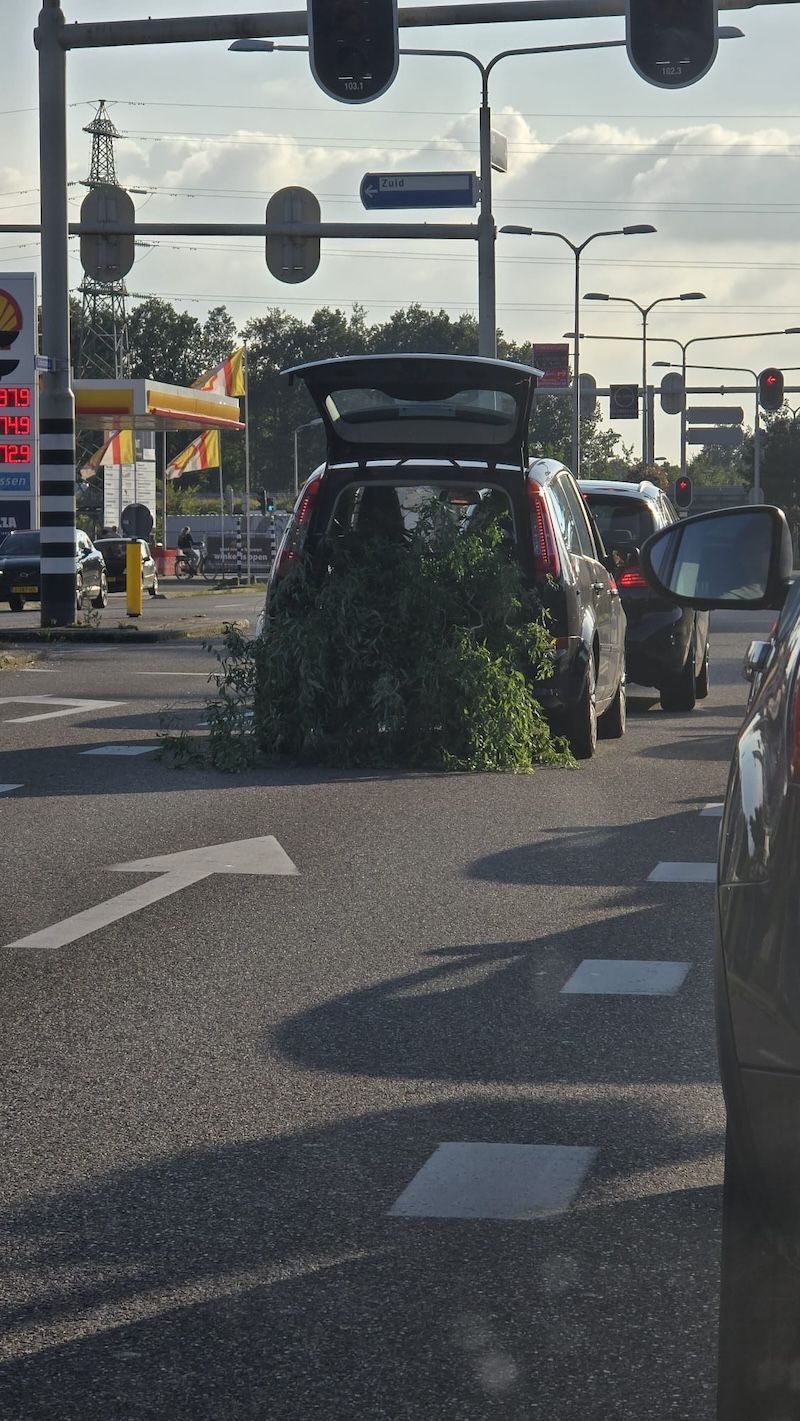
point(735, 558)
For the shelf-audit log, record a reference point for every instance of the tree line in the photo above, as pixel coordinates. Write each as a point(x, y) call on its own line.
point(176, 347)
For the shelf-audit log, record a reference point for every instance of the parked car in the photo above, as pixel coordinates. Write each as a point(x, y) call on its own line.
point(20, 569)
point(115, 554)
point(665, 645)
point(404, 429)
point(741, 558)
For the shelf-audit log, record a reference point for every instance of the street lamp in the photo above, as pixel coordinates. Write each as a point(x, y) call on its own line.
point(487, 292)
point(648, 442)
point(638, 229)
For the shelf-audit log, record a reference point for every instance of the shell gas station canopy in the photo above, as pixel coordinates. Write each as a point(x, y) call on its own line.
point(111, 405)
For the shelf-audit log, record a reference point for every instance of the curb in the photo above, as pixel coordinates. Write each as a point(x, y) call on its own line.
point(47, 635)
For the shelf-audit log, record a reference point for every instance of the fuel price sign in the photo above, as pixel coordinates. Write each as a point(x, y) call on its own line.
point(18, 402)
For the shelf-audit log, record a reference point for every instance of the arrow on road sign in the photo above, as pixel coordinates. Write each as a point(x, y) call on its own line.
point(387, 190)
point(248, 856)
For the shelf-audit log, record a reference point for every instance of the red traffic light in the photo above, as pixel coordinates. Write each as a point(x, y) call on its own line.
point(683, 492)
point(770, 389)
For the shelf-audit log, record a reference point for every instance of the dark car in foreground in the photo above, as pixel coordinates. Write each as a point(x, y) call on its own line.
point(20, 555)
point(405, 430)
point(665, 645)
point(115, 556)
point(741, 558)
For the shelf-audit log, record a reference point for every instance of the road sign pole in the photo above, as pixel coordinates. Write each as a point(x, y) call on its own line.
point(56, 401)
point(757, 495)
point(487, 295)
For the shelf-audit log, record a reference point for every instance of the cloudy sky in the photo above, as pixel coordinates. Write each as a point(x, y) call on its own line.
point(211, 135)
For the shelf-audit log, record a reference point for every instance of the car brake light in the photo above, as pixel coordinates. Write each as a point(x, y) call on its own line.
point(298, 526)
point(547, 564)
point(632, 577)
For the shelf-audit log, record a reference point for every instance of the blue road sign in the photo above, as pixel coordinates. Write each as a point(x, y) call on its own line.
point(381, 191)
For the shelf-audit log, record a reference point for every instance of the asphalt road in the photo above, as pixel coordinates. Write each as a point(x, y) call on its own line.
point(337, 1143)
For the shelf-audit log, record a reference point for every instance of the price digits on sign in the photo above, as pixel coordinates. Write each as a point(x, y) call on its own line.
point(15, 397)
point(15, 453)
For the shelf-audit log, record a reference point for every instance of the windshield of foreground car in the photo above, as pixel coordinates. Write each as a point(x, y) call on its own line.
point(20, 545)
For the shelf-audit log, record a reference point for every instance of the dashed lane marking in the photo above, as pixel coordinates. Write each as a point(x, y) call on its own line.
point(6, 789)
point(120, 750)
point(72, 706)
point(469, 1180)
point(683, 873)
point(172, 673)
point(619, 977)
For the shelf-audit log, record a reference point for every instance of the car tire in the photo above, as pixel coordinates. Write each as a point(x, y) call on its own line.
point(582, 720)
point(154, 589)
point(611, 724)
point(15, 604)
point(101, 600)
point(79, 592)
point(681, 694)
point(702, 682)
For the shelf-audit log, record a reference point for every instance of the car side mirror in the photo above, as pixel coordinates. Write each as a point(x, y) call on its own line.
point(732, 558)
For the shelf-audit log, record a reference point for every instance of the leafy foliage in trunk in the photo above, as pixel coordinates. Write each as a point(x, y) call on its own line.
point(419, 655)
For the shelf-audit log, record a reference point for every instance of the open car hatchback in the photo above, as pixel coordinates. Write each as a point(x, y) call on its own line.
point(407, 431)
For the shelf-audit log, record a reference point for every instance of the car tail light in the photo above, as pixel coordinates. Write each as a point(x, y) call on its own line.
point(547, 564)
point(632, 577)
point(793, 732)
point(294, 536)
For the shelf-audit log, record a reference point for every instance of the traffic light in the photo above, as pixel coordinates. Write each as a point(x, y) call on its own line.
point(671, 43)
point(770, 389)
point(270, 504)
point(353, 47)
point(683, 492)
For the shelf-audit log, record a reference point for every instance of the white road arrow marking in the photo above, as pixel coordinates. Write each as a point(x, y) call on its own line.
point(73, 705)
point(249, 856)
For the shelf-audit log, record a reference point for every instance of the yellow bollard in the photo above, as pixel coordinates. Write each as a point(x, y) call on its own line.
point(133, 578)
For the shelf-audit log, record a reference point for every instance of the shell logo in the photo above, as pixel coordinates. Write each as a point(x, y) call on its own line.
point(10, 320)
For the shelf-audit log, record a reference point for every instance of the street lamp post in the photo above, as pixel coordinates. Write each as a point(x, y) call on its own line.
point(308, 425)
point(577, 248)
point(648, 443)
point(487, 285)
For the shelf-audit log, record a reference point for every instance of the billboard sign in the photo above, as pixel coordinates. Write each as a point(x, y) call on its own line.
point(553, 360)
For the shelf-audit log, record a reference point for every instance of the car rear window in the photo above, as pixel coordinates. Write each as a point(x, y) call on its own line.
point(621, 520)
point(370, 416)
point(115, 546)
point(393, 511)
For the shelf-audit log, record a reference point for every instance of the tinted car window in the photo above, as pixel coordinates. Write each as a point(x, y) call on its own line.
point(564, 516)
point(582, 526)
point(392, 511)
point(21, 545)
point(621, 520)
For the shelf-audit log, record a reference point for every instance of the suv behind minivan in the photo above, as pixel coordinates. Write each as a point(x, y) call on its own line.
point(666, 645)
point(405, 430)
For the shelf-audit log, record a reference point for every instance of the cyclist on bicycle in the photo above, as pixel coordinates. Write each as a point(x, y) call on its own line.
point(189, 548)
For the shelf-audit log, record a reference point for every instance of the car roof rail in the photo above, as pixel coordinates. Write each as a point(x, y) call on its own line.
point(648, 488)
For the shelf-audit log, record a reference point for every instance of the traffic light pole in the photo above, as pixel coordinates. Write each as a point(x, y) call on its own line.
point(56, 401)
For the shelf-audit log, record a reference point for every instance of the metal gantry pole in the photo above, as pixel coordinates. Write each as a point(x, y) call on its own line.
point(487, 235)
point(576, 371)
point(645, 438)
point(246, 465)
point(56, 401)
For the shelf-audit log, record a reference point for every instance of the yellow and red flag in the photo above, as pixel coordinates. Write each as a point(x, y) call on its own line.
point(202, 453)
point(227, 378)
point(119, 448)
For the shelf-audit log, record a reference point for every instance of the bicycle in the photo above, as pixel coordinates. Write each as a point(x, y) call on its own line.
point(186, 569)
